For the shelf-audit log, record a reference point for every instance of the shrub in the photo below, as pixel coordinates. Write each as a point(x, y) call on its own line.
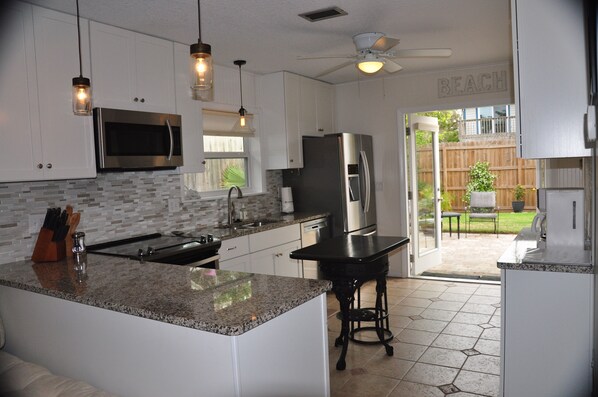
point(480, 179)
point(519, 193)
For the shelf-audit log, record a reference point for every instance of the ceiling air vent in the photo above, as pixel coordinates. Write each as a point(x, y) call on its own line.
point(324, 13)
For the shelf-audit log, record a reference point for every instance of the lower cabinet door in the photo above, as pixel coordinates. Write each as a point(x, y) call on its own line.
point(284, 265)
point(262, 262)
point(238, 264)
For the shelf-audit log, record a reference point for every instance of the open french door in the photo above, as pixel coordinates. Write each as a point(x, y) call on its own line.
point(424, 192)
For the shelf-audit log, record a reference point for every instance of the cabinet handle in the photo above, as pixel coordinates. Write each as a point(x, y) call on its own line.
point(203, 162)
point(40, 166)
point(291, 160)
point(49, 165)
point(232, 248)
point(321, 129)
point(135, 99)
point(142, 100)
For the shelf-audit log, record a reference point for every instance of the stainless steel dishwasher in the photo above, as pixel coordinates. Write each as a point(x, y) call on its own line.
point(313, 232)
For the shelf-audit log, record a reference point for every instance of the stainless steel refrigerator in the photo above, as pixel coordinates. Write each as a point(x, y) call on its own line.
point(338, 177)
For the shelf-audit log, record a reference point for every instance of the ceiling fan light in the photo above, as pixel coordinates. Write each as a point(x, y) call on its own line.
point(370, 66)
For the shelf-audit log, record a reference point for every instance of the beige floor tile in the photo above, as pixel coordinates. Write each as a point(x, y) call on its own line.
point(444, 357)
point(446, 305)
point(452, 297)
point(478, 308)
point(409, 389)
point(483, 363)
point(467, 289)
point(416, 302)
point(368, 385)
point(398, 321)
point(428, 325)
point(495, 320)
point(436, 314)
point(406, 351)
point(439, 286)
point(488, 290)
point(390, 367)
point(486, 346)
point(406, 311)
point(478, 383)
point(433, 375)
point(491, 333)
point(461, 329)
point(419, 293)
point(454, 342)
point(486, 300)
point(416, 337)
point(471, 318)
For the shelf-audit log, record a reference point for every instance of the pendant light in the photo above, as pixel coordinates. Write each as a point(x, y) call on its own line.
point(242, 124)
point(370, 64)
point(203, 69)
point(81, 85)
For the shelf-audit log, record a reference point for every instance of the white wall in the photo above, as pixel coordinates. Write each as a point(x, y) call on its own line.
point(374, 106)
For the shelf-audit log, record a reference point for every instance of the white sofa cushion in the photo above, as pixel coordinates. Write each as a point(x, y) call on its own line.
point(22, 379)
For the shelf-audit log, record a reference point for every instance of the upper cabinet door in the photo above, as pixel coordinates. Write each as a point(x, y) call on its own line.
point(130, 70)
point(307, 107)
point(20, 141)
point(67, 140)
point(325, 110)
point(551, 88)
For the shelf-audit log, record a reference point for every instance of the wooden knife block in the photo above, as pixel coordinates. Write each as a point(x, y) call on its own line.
point(47, 250)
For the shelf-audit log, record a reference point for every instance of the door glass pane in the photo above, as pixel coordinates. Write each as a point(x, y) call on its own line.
point(426, 209)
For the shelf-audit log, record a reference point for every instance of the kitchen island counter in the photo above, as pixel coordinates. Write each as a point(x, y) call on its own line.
point(151, 329)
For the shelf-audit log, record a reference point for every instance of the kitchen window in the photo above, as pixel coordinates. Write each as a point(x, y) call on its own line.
point(230, 158)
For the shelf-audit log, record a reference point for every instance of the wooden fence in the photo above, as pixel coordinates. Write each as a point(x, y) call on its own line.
point(457, 157)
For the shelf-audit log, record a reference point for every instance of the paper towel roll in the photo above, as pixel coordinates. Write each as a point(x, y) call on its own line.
point(286, 196)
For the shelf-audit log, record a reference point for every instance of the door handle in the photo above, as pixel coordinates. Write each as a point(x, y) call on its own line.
point(171, 139)
point(366, 166)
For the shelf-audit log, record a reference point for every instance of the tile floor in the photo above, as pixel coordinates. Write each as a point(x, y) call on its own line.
point(447, 343)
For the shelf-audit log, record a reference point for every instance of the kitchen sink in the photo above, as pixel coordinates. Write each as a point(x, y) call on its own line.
point(257, 223)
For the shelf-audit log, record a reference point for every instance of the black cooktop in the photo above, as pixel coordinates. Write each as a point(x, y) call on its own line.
point(159, 248)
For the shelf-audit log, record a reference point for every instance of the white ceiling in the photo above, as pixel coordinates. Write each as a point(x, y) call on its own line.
point(270, 35)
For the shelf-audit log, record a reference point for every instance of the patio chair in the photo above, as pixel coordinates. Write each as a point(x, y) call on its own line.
point(482, 207)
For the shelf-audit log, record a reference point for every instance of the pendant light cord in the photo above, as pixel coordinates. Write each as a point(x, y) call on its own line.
point(79, 40)
point(198, 22)
point(241, 85)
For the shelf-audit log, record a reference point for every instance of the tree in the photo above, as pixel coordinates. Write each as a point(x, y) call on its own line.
point(448, 127)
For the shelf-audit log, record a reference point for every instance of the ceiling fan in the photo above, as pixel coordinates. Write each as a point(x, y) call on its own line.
point(374, 52)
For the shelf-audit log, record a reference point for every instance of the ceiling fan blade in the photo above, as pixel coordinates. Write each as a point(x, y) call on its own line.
point(391, 66)
point(384, 44)
point(300, 58)
point(424, 53)
point(334, 69)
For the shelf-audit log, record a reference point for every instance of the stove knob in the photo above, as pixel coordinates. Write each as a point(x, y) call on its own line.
point(210, 238)
point(140, 253)
point(202, 239)
point(150, 251)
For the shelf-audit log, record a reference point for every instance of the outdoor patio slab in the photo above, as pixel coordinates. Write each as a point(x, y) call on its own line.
point(471, 257)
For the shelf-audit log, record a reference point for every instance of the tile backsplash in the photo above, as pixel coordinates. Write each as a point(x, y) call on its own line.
point(116, 205)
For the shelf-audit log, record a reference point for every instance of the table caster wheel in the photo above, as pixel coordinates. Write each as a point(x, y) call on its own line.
point(390, 350)
point(341, 365)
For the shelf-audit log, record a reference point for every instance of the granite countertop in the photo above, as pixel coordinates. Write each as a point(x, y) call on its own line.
point(275, 221)
point(523, 254)
point(218, 301)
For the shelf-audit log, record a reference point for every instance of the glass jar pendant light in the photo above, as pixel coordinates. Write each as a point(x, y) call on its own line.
point(81, 85)
point(243, 123)
point(203, 70)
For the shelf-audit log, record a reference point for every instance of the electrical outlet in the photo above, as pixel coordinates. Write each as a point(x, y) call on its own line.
point(174, 205)
point(35, 223)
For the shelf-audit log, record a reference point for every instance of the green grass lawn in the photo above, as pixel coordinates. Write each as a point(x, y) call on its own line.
point(509, 223)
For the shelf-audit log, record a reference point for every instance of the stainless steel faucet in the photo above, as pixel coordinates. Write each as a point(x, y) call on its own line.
point(231, 206)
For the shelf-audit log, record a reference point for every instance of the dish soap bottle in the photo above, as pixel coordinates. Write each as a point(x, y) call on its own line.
point(243, 213)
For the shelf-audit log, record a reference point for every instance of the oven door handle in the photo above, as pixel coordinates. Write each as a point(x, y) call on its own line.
point(214, 258)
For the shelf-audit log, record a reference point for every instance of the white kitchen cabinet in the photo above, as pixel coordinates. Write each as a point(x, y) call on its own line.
point(551, 87)
point(276, 261)
point(190, 111)
point(292, 107)
point(131, 70)
point(239, 264)
point(546, 340)
point(234, 247)
point(41, 138)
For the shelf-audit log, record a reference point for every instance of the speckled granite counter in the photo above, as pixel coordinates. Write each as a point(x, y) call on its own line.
point(523, 254)
point(218, 301)
point(276, 222)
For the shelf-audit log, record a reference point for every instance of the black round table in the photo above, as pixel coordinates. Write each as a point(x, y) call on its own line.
point(349, 261)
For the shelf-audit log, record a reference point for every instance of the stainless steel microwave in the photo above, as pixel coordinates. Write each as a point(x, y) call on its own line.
point(131, 140)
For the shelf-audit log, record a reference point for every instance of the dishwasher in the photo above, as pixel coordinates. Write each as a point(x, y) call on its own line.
point(313, 232)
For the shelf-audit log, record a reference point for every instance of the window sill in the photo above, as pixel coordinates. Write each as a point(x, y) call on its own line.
point(197, 197)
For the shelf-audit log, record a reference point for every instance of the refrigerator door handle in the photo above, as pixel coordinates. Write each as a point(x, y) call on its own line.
point(366, 166)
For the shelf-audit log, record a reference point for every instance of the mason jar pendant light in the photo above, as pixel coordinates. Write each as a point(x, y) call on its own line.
point(203, 70)
point(81, 85)
point(242, 111)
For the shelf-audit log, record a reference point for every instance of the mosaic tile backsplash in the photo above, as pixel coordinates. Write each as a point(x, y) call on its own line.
point(117, 205)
